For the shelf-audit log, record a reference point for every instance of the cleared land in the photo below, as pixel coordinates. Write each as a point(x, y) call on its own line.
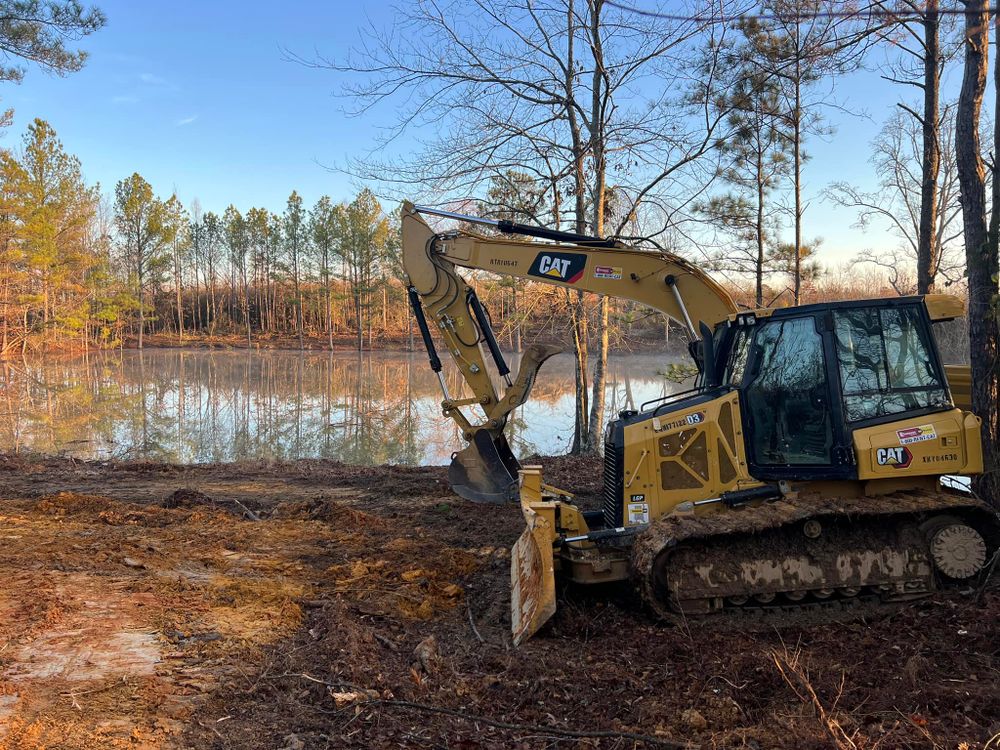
point(315, 605)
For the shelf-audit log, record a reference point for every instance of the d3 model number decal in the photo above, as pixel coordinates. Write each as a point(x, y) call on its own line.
point(565, 267)
point(916, 434)
point(897, 458)
point(697, 418)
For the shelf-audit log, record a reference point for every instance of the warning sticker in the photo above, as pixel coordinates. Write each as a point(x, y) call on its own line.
point(638, 513)
point(607, 272)
point(916, 434)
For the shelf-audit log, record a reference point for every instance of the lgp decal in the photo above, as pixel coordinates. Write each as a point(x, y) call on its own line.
point(897, 458)
point(607, 272)
point(565, 267)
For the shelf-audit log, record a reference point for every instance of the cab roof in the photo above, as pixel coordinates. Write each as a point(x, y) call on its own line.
point(939, 306)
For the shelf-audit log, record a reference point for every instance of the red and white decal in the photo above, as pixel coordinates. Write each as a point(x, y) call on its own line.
point(916, 434)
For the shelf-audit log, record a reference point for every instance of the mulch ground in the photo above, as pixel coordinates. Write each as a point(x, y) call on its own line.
point(315, 605)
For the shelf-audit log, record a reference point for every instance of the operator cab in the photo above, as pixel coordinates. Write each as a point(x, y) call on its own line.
point(811, 375)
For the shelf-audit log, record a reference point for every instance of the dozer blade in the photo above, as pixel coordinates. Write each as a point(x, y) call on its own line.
point(532, 578)
point(485, 471)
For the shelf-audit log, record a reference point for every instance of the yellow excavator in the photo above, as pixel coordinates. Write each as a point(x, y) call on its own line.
point(802, 471)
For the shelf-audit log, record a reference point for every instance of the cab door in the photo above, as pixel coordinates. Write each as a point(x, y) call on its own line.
point(792, 418)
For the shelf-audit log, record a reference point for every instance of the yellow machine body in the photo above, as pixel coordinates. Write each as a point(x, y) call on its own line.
point(789, 474)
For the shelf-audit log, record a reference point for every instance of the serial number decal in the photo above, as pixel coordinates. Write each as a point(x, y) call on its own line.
point(897, 458)
point(503, 262)
point(942, 457)
point(607, 272)
point(916, 434)
point(564, 267)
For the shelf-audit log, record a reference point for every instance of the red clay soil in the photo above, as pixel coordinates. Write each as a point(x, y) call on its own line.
point(316, 605)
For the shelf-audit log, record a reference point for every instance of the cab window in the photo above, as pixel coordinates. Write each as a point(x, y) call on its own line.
point(738, 354)
point(787, 395)
point(886, 365)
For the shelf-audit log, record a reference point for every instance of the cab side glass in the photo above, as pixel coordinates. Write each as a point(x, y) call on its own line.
point(886, 365)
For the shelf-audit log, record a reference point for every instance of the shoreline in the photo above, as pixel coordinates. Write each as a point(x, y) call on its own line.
point(401, 345)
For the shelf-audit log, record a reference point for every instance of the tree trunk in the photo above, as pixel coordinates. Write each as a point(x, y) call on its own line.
point(178, 294)
point(595, 424)
point(759, 264)
point(578, 314)
point(927, 251)
point(980, 245)
point(797, 146)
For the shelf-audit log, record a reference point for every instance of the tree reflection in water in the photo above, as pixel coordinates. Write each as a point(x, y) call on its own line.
point(192, 406)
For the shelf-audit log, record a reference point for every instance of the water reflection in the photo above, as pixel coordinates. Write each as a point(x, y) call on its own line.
point(205, 406)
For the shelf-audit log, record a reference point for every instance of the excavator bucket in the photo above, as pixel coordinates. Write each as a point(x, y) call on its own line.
point(485, 471)
point(532, 577)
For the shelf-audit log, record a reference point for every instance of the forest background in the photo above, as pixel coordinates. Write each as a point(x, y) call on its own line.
point(677, 127)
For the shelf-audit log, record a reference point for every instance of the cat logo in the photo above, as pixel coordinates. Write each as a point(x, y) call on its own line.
point(564, 267)
point(897, 458)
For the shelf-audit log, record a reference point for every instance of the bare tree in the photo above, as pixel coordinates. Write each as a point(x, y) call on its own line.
point(920, 55)
point(901, 200)
point(525, 87)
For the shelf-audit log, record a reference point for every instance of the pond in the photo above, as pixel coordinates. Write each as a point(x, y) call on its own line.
point(198, 406)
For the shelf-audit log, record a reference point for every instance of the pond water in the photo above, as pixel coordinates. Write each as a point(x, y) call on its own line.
point(196, 406)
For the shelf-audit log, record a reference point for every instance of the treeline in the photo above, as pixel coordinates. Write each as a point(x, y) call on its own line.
point(307, 271)
point(78, 270)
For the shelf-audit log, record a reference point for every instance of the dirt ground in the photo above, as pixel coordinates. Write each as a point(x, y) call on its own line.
point(316, 605)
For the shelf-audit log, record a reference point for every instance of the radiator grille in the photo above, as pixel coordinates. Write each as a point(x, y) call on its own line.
point(613, 460)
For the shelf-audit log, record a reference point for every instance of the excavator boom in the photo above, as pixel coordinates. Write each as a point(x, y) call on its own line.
point(486, 470)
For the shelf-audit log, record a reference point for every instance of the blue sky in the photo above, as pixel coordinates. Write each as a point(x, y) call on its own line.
point(198, 97)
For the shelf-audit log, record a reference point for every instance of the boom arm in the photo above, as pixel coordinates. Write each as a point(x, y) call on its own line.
point(659, 280)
